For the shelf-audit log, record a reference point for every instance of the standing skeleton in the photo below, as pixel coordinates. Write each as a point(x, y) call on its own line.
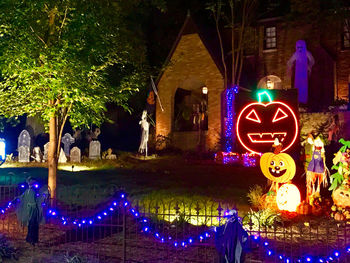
point(144, 134)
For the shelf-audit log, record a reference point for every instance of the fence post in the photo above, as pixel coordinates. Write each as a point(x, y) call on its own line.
point(124, 234)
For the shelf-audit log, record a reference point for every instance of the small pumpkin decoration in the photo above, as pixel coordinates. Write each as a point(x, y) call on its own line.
point(304, 208)
point(279, 168)
point(341, 197)
point(339, 216)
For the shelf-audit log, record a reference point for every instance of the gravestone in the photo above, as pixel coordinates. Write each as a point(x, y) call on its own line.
point(24, 142)
point(46, 149)
point(94, 150)
point(23, 154)
point(62, 158)
point(67, 141)
point(75, 155)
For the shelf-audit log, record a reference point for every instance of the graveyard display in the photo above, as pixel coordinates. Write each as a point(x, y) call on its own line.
point(67, 141)
point(24, 144)
point(75, 155)
point(94, 150)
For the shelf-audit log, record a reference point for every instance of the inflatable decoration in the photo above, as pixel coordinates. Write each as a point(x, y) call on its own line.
point(259, 124)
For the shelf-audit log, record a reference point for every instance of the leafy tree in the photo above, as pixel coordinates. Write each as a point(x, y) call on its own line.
point(56, 58)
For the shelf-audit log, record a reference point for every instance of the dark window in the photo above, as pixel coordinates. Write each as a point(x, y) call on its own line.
point(270, 38)
point(190, 110)
point(346, 34)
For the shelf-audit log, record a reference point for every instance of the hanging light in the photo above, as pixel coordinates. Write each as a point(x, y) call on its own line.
point(205, 90)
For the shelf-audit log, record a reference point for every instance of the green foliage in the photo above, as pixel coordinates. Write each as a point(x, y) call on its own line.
point(57, 58)
point(262, 218)
point(340, 165)
point(255, 195)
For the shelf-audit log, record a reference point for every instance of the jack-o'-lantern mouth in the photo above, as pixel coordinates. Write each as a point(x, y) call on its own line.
point(276, 172)
point(266, 137)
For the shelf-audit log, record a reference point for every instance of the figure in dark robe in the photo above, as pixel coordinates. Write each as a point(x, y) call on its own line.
point(231, 240)
point(29, 210)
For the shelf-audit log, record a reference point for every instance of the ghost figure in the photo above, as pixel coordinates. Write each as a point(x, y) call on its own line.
point(144, 133)
point(303, 64)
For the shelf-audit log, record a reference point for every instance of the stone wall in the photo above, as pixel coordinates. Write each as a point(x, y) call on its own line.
point(191, 67)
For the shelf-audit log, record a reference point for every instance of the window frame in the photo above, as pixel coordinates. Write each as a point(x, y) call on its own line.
point(345, 32)
point(270, 36)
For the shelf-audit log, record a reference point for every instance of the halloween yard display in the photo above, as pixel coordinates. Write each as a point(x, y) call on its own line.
point(303, 61)
point(280, 168)
point(260, 123)
point(231, 240)
point(308, 145)
point(29, 209)
point(316, 171)
point(340, 183)
point(143, 149)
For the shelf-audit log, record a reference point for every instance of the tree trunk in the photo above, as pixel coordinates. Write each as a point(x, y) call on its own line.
point(52, 157)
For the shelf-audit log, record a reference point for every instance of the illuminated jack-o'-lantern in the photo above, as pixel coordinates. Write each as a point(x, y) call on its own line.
point(258, 124)
point(279, 168)
point(341, 197)
point(288, 197)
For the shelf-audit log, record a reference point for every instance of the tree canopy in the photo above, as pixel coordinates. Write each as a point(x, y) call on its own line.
point(56, 58)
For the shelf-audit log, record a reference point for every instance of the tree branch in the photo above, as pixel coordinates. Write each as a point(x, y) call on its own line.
point(38, 36)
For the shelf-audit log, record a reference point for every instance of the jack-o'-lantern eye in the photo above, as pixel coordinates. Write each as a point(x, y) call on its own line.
point(279, 115)
point(272, 163)
point(281, 163)
point(253, 116)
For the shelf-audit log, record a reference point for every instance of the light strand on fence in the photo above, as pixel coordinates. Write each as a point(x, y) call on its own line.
point(182, 243)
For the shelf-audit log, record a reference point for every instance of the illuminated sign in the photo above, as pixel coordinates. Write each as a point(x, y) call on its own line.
point(259, 123)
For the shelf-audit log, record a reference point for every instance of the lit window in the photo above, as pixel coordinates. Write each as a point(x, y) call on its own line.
point(270, 38)
point(346, 34)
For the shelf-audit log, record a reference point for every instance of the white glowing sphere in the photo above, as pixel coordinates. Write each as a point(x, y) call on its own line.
point(288, 197)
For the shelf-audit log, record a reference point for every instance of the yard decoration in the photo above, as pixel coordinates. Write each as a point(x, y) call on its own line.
point(258, 124)
point(288, 197)
point(316, 170)
point(307, 144)
point(279, 168)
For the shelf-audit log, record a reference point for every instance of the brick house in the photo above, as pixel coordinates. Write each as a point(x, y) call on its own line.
point(191, 85)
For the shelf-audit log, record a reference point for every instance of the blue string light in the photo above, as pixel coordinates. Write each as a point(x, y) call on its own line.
point(229, 119)
point(147, 229)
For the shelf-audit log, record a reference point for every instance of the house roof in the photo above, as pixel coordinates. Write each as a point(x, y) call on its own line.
point(208, 36)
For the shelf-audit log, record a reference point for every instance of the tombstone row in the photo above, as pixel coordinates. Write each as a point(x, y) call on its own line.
point(24, 143)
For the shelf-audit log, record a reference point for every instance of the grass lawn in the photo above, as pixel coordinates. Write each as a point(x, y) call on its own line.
point(160, 178)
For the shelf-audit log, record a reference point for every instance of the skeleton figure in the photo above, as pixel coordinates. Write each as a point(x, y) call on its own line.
point(303, 61)
point(144, 134)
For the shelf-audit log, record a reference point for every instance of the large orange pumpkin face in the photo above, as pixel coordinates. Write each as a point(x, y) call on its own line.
point(279, 168)
point(258, 124)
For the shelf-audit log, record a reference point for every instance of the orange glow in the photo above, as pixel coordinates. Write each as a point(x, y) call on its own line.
point(288, 197)
point(255, 116)
point(280, 114)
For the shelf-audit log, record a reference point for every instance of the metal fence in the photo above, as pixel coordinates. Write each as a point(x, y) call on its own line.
point(119, 237)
